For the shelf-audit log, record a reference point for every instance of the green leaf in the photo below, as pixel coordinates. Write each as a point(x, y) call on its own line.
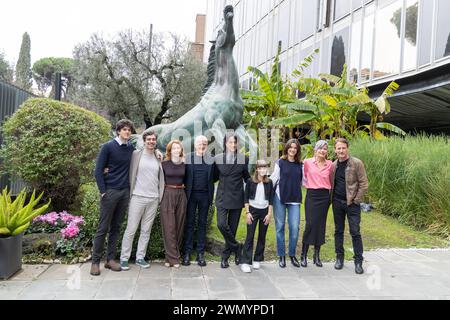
point(390, 127)
point(294, 120)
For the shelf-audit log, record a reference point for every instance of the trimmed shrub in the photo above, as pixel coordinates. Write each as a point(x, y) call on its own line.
point(409, 179)
point(52, 145)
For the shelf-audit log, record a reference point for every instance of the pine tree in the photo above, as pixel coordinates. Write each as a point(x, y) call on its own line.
point(23, 67)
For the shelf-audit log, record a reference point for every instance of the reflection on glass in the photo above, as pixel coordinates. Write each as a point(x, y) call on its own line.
point(283, 24)
point(356, 4)
point(339, 52)
point(355, 48)
point(443, 30)
point(341, 8)
point(366, 62)
point(410, 42)
point(325, 56)
point(309, 13)
point(387, 42)
point(426, 28)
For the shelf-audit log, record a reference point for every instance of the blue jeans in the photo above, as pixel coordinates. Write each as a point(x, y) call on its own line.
point(280, 221)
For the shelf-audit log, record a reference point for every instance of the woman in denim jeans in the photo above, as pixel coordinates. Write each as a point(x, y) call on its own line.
point(287, 179)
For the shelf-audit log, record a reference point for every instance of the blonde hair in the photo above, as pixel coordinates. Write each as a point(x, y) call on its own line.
point(169, 149)
point(260, 164)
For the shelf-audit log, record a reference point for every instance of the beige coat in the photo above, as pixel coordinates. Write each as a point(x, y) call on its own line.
point(134, 166)
point(355, 180)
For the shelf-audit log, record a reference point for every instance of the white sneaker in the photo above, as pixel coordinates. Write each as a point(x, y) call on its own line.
point(246, 268)
point(256, 265)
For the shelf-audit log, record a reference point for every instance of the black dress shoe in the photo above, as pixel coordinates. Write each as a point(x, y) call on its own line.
point(224, 263)
point(304, 256)
point(238, 254)
point(295, 262)
point(201, 260)
point(358, 268)
point(186, 260)
point(282, 262)
point(316, 257)
point(339, 265)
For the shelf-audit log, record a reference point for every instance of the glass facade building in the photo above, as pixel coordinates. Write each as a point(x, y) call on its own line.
point(378, 40)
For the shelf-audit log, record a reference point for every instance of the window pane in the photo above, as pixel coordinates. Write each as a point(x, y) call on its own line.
point(355, 47)
point(366, 62)
point(410, 42)
point(426, 27)
point(341, 8)
point(443, 30)
point(283, 25)
point(309, 14)
point(339, 51)
point(325, 56)
point(356, 4)
point(387, 42)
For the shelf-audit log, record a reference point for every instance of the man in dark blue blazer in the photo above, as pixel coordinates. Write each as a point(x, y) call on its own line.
point(199, 182)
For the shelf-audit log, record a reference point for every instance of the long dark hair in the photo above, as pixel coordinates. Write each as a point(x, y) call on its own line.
point(228, 136)
point(298, 156)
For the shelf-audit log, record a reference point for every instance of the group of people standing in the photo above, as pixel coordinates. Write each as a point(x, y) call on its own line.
point(183, 187)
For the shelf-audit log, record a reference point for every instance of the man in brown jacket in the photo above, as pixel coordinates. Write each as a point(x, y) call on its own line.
point(349, 185)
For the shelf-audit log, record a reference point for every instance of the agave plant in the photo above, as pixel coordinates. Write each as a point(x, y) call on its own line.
point(15, 216)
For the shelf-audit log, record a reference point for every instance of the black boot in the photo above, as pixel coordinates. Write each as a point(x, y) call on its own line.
point(294, 262)
point(304, 256)
point(186, 260)
point(358, 268)
point(339, 265)
point(282, 262)
point(316, 257)
point(201, 260)
point(224, 263)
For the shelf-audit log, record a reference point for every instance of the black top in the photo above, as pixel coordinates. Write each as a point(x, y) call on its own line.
point(174, 173)
point(190, 173)
point(117, 159)
point(230, 191)
point(200, 181)
point(250, 191)
point(291, 175)
point(340, 190)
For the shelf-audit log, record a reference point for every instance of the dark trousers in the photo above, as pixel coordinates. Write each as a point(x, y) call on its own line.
point(353, 213)
point(228, 222)
point(258, 218)
point(197, 201)
point(113, 208)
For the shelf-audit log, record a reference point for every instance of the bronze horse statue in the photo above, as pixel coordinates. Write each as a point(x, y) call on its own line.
point(221, 107)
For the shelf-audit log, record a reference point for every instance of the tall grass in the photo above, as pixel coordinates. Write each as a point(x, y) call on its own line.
point(409, 179)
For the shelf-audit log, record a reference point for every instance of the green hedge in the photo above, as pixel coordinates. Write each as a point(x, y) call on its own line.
point(409, 179)
point(52, 146)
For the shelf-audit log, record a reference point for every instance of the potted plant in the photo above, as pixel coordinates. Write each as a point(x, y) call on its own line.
point(15, 218)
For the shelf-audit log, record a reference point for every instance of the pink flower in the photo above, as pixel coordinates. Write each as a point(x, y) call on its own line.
point(66, 217)
point(70, 231)
point(50, 218)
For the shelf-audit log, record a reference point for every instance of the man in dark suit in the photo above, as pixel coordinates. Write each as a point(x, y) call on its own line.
point(199, 182)
point(231, 171)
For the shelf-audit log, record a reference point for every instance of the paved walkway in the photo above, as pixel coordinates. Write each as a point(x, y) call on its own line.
point(390, 274)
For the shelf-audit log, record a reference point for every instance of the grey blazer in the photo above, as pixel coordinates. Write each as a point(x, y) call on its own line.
point(134, 166)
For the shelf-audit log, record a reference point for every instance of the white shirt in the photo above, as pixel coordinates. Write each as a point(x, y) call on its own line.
point(275, 177)
point(260, 201)
point(120, 141)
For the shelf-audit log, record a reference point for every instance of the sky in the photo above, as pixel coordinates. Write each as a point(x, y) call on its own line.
point(56, 26)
